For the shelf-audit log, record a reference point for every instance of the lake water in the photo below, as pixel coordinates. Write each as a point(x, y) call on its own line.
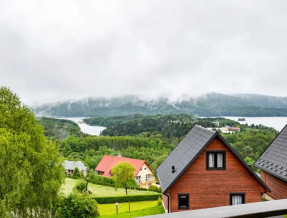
point(85, 128)
point(277, 123)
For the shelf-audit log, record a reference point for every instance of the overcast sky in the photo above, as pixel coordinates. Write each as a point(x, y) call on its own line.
point(66, 49)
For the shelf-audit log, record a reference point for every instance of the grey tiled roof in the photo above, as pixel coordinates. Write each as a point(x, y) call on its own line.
point(183, 155)
point(71, 165)
point(274, 158)
point(186, 152)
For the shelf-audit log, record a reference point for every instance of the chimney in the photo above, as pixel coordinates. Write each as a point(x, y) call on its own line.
point(119, 154)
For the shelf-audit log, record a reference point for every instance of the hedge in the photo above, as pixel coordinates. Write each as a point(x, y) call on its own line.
point(126, 198)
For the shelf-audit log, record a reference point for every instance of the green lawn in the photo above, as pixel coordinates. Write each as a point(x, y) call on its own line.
point(100, 190)
point(143, 212)
point(110, 209)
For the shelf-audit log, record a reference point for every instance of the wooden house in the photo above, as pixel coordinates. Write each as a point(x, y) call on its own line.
point(273, 165)
point(204, 171)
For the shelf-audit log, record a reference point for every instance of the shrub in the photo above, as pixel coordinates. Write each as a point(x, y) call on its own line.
point(76, 172)
point(159, 201)
point(80, 185)
point(126, 198)
point(101, 180)
point(153, 188)
point(78, 205)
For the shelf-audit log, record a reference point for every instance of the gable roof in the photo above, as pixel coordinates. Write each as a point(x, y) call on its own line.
point(108, 162)
point(71, 165)
point(274, 158)
point(186, 152)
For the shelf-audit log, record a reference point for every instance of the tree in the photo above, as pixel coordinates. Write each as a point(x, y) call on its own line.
point(76, 172)
point(81, 185)
point(123, 174)
point(31, 170)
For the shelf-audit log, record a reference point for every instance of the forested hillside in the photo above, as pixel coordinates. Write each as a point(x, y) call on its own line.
point(153, 137)
point(59, 128)
point(209, 105)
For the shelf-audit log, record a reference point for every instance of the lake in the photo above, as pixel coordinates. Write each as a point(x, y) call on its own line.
point(85, 128)
point(277, 123)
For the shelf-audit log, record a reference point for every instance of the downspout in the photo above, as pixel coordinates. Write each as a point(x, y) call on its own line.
point(167, 201)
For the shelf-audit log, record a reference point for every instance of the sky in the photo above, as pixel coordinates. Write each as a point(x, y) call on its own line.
point(53, 50)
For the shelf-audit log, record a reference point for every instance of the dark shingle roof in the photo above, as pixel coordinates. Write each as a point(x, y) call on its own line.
point(182, 155)
point(186, 152)
point(274, 158)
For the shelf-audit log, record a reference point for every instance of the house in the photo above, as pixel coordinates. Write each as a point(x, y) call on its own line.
point(229, 130)
point(273, 165)
point(204, 171)
point(143, 172)
point(70, 166)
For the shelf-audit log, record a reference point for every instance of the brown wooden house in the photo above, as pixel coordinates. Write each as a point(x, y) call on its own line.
point(203, 171)
point(273, 165)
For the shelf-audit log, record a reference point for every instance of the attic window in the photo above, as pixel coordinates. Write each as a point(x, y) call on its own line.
point(215, 160)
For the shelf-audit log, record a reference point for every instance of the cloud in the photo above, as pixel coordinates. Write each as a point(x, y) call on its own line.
point(54, 50)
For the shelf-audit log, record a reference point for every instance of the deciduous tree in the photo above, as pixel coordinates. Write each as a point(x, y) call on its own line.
point(123, 174)
point(31, 170)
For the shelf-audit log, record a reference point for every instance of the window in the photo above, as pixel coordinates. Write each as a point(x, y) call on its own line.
point(138, 178)
point(144, 168)
point(183, 201)
point(215, 160)
point(237, 198)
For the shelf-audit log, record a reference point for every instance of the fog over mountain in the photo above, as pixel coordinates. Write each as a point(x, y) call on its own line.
point(210, 104)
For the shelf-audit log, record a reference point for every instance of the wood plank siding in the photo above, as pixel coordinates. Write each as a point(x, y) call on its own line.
point(278, 187)
point(212, 188)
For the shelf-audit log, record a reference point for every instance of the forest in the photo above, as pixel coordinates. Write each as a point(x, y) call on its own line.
point(152, 138)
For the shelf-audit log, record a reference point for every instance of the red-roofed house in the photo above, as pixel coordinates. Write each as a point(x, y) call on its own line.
point(143, 173)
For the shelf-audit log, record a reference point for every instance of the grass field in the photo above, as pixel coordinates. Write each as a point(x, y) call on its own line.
point(100, 190)
point(110, 209)
point(139, 213)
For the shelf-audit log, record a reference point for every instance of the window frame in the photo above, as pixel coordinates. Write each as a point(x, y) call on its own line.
point(215, 159)
point(236, 193)
point(178, 201)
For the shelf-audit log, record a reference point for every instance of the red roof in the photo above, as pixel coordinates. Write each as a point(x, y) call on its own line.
point(108, 162)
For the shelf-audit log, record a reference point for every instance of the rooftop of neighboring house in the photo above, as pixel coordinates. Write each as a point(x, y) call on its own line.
point(71, 165)
point(274, 158)
point(108, 162)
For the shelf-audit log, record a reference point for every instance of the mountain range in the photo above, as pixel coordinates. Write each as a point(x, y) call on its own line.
point(210, 104)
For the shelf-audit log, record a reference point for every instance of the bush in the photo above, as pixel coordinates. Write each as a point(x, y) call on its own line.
point(159, 201)
point(101, 180)
point(126, 198)
point(76, 173)
point(153, 188)
point(80, 185)
point(78, 205)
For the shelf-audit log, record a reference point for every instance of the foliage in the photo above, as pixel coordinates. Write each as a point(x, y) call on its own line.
point(78, 205)
point(76, 173)
point(59, 128)
point(153, 188)
point(80, 185)
point(127, 198)
point(29, 164)
point(102, 180)
point(159, 201)
point(123, 174)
